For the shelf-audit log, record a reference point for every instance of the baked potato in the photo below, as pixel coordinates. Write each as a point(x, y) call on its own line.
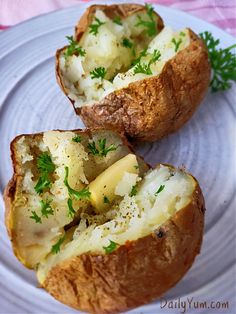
point(103, 231)
point(124, 69)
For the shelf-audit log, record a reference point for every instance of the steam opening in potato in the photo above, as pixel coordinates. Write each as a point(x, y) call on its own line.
point(78, 192)
point(137, 206)
point(114, 52)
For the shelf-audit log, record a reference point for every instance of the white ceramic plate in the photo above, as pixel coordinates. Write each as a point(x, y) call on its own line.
point(31, 101)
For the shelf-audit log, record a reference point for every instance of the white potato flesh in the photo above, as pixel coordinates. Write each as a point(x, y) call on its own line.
point(106, 50)
point(134, 217)
point(34, 239)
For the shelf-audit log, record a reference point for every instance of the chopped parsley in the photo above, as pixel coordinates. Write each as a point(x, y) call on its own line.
point(76, 139)
point(176, 43)
point(182, 34)
point(161, 188)
point(46, 208)
point(134, 190)
point(127, 43)
point(223, 63)
point(71, 211)
point(146, 68)
point(73, 48)
point(82, 194)
point(110, 248)
point(101, 150)
point(150, 24)
point(94, 27)
point(106, 200)
point(98, 72)
point(117, 20)
point(57, 246)
point(45, 167)
point(35, 217)
point(142, 54)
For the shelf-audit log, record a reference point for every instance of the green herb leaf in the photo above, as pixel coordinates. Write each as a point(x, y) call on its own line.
point(45, 164)
point(127, 43)
point(46, 167)
point(46, 208)
point(101, 150)
point(76, 139)
point(71, 211)
point(73, 48)
point(94, 27)
point(98, 72)
point(117, 20)
point(176, 43)
point(133, 191)
point(35, 217)
point(161, 188)
point(56, 247)
point(182, 34)
point(106, 200)
point(150, 24)
point(223, 63)
point(142, 54)
point(82, 194)
point(110, 248)
point(146, 68)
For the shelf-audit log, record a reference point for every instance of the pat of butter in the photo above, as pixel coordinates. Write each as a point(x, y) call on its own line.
point(105, 184)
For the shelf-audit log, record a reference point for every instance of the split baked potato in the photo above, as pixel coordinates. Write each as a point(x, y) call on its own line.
point(124, 69)
point(103, 231)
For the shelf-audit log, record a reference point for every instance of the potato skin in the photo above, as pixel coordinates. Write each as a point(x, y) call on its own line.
point(136, 273)
point(151, 109)
point(10, 190)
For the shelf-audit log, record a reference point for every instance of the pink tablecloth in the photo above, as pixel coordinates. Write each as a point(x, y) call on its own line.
point(219, 12)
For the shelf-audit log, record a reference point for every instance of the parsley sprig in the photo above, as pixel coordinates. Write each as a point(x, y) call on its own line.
point(45, 167)
point(161, 188)
point(76, 139)
point(98, 72)
point(46, 210)
point(82, 194)
point(35, 217)
point(223, 63)
point(150, 24)
point(146, 68)
point(176, 43)
point(73, 48)
point(110, 248)
point(127, 43)
point(117, 20)
point(78, 195)
point(57, 246)
point(100, 150)
point(133, 191)
point(106, 200)
point(95, 26)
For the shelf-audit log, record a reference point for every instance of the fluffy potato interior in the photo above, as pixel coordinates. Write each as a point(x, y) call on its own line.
point(116, 56)
point(41, 206)
point(144, 204)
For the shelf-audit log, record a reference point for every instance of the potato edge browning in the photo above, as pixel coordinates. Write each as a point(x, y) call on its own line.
point(152, 108)
point(10, 189)
point(124, 279)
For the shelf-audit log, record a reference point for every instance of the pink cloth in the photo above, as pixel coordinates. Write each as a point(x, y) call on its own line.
point(219, 12)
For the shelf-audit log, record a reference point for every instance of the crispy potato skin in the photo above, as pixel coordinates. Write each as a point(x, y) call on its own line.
point(10, 190)
point(136, 273)
point(112, 11)
point(150, 109)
